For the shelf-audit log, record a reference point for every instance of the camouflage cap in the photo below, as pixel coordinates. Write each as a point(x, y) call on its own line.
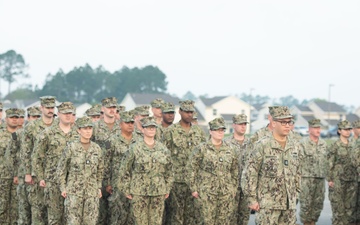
point(142, 110)
point(187, 105)
point(66, 107)
point(21, 112)
point(127, 116)
point(48, 101)
point(109, 102)
point(12, 112)
point(148, 121)
point(33, 111)
point(356, 124)
point(84, 121)
point(93, 111)
point(239, 119)
point(271, 110)
point(120, 108)
point(314, 123)
point(344, 125)
point(195, 115)
point(1, 105)
point(281, 112)
point(217, 123)
point(168, 107)
point(157, 103)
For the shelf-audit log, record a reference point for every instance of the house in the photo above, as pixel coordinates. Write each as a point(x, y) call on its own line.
point(81, 109)
point(329, 113)
point(302, 114)
point(262, 120)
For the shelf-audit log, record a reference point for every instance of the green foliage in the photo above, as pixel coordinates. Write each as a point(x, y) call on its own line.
point(24, 92)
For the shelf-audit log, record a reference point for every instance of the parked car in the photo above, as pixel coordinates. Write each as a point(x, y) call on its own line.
point(302, 130)
point(331, 132)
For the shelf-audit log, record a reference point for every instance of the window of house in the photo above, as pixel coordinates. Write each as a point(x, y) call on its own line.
point(214, 112)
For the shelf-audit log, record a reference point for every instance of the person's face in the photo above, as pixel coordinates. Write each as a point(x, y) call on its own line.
point(345, 132)
point(12, 122)
point(186, 116)
point(95, 118)
point(139, 117)
point(31, 118)
point(168, 117)
point(85, 132)
point(282, 127)
point(21, 121)
point(314, 131)
point(149, 131)
point(217, 134)
point(73, 118)
point(109, 112)
point(127, 127)
point(47, 112)
point(156, 112)
point(356, 131)
point(240, 129)
point(65, 118)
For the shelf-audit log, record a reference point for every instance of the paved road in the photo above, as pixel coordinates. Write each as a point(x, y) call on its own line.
point(325, 217)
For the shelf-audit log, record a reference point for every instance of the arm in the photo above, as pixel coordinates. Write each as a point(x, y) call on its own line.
point(100, 168)
point(169, 174)
point(38, 155)
point(192, 167)
point(125, 172)
point(62, 169)
point(26, 149)
point(331, 156)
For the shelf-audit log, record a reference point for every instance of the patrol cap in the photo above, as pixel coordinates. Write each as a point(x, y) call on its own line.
point(93, 111)
point(157, 103)
point(34, 111)
point(195, 115)
point(142, 110)
point(217, 123)
point(168, 107)
point(12, 112)
point(344, 125)
point(281, 112)
point(148, 121)
point(109, 102)
point(314, 123)
point(120, 108)
point(66, 107)
point(187, 105)
point(356, 124)
point(127, 116)
point(48, 101)
point(239, 119)
point(84, 121)
point(21, 112)
point(271, 109)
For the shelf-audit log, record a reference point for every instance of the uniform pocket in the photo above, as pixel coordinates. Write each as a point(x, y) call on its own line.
point(271, 166)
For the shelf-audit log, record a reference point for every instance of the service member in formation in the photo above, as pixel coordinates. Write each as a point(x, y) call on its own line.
point(34, 192)
point(119, 205)
point(79, 175)
point(156, 109)
point(140, 112)
point(271, 179)
point(168, 116)
point(147, 176)
point(240, 144)
point(342, 177)
point(313, 173)
point(94, 113)
point(48, 149)
point(119, 109)
point(265, 131)
point(356, 161)
point(6, 175)
point(33, 113)
point(181, 138)
point(21, 121)
point(213, 177)
point(356, 131)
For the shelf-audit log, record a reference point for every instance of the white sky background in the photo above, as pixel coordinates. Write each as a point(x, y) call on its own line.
point(278, 48)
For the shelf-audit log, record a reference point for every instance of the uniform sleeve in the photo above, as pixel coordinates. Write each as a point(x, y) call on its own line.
point(167, 138)
point(108, 164)
point(26, 148)
point(12, 154)
point(63, 167)
point(235, 169)
point(38, 155)
point(100, 168)
point(192, 167)
point(125, 172)
point(169, 173)
point(250, 177)
point(331, 162)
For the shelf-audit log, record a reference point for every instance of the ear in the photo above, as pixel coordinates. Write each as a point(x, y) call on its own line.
point(273, 123)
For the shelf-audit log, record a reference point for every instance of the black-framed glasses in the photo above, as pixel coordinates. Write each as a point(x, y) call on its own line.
point(284, 123)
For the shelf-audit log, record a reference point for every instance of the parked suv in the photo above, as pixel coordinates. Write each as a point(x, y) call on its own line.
point(332, 132)
point(303, 131)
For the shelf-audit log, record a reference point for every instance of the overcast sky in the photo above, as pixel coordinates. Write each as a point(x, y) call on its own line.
point(277, 48)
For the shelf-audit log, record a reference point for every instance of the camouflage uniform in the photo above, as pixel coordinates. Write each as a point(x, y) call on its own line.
point(140, 111)
point(313, 169)
point(48, 149)
point(6, 174)
point(166, 107)
point(102, 135)
point(147, 175)
point(356, 161)
point(79, 173)
point(35, 193)
point(213, 174)
point(119, 205)
point(272, 178)
point(181, 144)
point(342, 172)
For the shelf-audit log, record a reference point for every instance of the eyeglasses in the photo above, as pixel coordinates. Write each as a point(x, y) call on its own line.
point(284, 123)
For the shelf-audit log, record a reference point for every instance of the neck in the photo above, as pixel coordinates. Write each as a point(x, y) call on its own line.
point(239, 137)
point(11, 129)
point(164, 124)
point(216, 141)
point(149, 140)
point(184, 124)
point(84, 140)
point(65, 127)
point(126, 135)
point(109, 119)
point(279, 137)
point(47, 120)
point(344, 139)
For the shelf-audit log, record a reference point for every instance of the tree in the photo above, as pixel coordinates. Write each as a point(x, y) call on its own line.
point(23, 92)
point(12, 65)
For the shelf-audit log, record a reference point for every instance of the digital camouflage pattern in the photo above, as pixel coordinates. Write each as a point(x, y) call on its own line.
point(217, 123)
point(181, 144)
point(148, 209)
point(79, 173)
point(167, 107)
point(272, 177)
point(342, 172)
point(313, 173)
point(33, 111)
point(157, 103)
point(187, 105)
point(214, 174)
point(356, 161)
point(109, 102)
point(48, 149)
point(259, 134)
point(241, 211)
